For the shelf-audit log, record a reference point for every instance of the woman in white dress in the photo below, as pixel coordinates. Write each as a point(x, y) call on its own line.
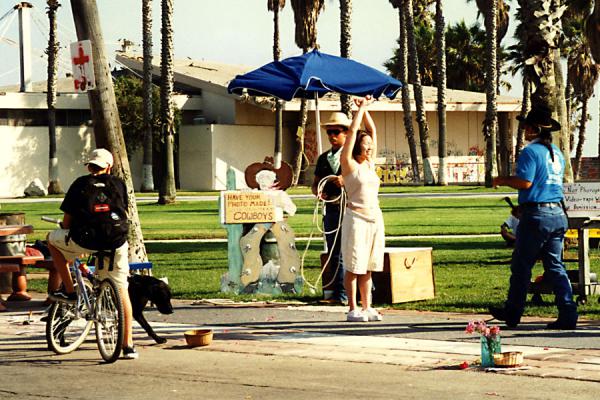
point(362, 226)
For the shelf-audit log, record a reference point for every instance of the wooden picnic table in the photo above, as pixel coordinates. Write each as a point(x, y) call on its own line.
point(17, 264)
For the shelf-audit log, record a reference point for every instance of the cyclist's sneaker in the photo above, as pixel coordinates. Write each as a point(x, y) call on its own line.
point(60, 295)
point(129, 353)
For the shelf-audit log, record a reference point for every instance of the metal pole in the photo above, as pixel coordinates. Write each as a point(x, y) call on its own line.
point(318, 127)
point(25, 45)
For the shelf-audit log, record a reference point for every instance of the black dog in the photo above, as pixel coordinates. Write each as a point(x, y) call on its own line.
point(144, 289)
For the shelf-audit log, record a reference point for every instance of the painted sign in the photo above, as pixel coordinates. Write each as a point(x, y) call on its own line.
point(83, 67)
point(241, 207)
point(582, 199)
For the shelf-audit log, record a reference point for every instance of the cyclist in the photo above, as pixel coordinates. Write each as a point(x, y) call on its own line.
point(73, 238)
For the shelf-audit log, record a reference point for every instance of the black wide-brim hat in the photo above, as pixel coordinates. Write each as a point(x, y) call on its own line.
point(541, 116)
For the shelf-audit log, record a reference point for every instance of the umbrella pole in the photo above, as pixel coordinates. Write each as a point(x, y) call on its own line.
point(278, 134)
point(318, 123)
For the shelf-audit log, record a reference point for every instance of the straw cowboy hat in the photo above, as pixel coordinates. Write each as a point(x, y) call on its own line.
point(337, 119)
point(541, 116)
point(283, 173)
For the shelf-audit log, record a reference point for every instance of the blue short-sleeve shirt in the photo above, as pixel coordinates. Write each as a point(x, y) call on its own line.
point(536, 166)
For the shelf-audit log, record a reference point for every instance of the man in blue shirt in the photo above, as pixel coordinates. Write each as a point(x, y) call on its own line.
point(543, 223)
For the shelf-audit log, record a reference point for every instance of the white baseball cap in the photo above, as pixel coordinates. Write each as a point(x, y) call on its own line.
point(100, 157)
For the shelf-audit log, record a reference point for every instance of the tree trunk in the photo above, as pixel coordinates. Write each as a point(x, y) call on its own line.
point(346, 46)
point(300, 142)
point(490, 125)
point(406, 108)
point(581, 141)
point(147, 177)
point(167, 193)
point(561, 109)
point(419, 102)
point(525, 107)
point(54, 186)
point(440, 27)
point(105, 116)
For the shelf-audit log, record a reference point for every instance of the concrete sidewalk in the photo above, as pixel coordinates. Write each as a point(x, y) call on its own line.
point(415, 340)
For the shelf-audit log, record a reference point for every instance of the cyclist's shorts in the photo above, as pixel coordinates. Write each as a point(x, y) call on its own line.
point(71, 250)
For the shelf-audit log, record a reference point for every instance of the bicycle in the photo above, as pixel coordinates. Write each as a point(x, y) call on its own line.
point(98, 303)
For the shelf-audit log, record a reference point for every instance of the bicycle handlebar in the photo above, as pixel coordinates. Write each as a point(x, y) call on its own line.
point(53, 220)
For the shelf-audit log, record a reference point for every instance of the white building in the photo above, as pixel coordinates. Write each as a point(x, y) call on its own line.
point(220, 130)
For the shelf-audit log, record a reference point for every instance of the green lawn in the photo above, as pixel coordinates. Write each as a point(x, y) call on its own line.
point(199, 219)
point(470, 273)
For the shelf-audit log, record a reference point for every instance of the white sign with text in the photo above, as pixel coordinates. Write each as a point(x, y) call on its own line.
point(582, 199)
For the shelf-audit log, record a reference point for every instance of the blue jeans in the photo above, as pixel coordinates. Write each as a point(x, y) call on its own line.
point(331, 221)
point(540, 234)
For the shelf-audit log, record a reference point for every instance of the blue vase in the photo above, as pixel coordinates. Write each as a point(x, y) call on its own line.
point(489, 347)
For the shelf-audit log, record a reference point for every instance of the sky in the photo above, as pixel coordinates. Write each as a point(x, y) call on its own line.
point(236, 32)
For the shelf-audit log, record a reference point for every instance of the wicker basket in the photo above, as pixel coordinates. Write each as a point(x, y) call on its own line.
point(508, 359)
point(195, 338)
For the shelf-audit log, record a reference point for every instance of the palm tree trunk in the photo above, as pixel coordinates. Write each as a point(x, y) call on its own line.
point(490, 126)
point(52, 51)
point(300, 142)
point(147, 177)
point(440, 27)
point(525, 107)
point(346, 45)
point(406, 108)
point(167, 193)
point(581, 141)
point(419, 102)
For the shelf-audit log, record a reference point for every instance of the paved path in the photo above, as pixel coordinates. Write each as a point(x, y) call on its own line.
point(420, 341)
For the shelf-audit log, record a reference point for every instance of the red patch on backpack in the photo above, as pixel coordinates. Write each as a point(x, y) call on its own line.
point(101, 208)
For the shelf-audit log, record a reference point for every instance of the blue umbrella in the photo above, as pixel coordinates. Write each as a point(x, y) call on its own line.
point(314, 74)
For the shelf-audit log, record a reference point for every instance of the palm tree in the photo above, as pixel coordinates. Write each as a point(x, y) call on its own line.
point(401, 61)
point(440, 27)
point(52, 51)
point(416, 81)
point(490, 125)
point(346, 45)
point(592, 33)
point(167, 192)
point(147, 178)
point(541, 31)
point(583, 74)
point(276, 6)
point(306, 14)
point(517, 60)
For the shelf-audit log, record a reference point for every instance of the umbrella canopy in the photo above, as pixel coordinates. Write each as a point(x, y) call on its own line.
point(313, 75)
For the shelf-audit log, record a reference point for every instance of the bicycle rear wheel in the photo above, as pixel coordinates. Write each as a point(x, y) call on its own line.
point(109, 322)
point(66, 326)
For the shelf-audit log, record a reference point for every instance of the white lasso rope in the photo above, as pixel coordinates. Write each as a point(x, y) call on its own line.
point(321, 202)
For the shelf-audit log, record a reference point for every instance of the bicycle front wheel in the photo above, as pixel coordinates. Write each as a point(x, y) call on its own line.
point(67, 326)
point(109, 321)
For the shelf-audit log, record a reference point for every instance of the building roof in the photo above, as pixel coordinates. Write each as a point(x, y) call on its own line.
point(214, 76)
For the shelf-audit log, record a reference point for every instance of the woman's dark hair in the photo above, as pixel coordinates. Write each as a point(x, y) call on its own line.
point(359, 137)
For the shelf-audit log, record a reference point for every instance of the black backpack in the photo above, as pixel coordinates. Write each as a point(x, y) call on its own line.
point(101, 221)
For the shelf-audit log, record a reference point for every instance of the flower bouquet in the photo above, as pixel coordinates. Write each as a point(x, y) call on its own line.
point(490, 340)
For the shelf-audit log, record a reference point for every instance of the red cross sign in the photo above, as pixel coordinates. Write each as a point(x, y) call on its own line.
point(83, 67)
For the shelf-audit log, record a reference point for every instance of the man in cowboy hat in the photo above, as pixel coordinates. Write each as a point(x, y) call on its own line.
point(328, 166)
point(543, 223)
